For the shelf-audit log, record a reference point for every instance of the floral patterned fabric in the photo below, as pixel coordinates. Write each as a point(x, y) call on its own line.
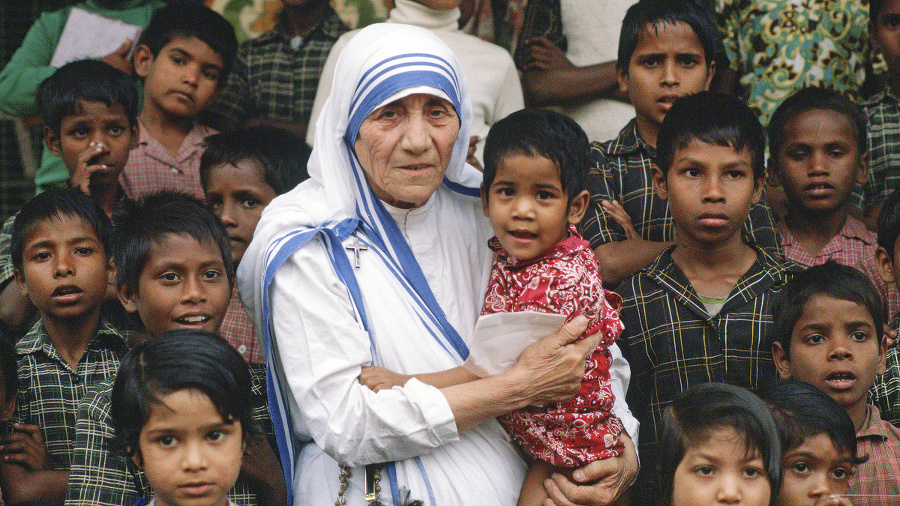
point(780, 46)
point(565, 280)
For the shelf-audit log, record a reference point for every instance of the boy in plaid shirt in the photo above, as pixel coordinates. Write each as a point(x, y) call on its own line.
point(699, 312)
point(885, 393)
point(60, 250)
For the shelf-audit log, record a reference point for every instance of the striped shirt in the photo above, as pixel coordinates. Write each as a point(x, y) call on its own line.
point(621, 172)
point(238, 330)
point(876, 482)
point(50, 389)
point(672, 343)
point(883, 113)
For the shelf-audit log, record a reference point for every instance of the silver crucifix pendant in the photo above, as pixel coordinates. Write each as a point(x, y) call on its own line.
point(356, 246)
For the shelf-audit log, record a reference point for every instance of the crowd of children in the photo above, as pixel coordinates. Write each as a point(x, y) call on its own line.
point(759, 340)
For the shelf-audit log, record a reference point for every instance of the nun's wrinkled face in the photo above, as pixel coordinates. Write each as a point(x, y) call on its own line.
point(404, 148)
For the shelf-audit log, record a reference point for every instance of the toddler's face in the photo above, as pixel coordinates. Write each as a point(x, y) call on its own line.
point(190, 454)
point(528, 206)
point(813, 471)
point(721, 470)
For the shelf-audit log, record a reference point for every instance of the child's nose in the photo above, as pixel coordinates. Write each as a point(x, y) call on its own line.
point(64, 265)
point(729, 490)
point(194, 457)
point(193, 290)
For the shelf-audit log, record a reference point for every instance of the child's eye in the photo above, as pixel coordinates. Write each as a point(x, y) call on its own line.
point(505, 192)
point(212, 274)
point(797, 155)
point(839, 473)
point(41, 255)
point(890, 21)
point(800, 467)
point(116, 130)
point(215, 435)
point(691, 172)
point(544, 195)
point(178, 60)
point(79, 133)
point(859, 336)
point(166, 441)
point(250, 203)
point(752, 472)
point(84, 251)
point(703, 470)
point(735, 174)
point(211, 75)
point(688, 60)
point(815, 339)
point(169, 276)
point(650, 61)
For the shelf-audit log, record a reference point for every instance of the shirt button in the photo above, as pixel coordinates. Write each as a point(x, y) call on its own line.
point(242, 349)
point(76, 379)
point(174, 170)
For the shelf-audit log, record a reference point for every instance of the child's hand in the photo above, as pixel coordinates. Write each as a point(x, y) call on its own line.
point(88, 167)
point(25, 447)
point(617, 212)
point(379, 378)
point(117, 59)
point(541, 54)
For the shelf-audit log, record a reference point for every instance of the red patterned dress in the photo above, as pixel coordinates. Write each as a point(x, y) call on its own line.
point(565, 280)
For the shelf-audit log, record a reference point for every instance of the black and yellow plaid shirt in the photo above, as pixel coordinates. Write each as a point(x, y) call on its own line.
point(672, 343)
point(621, 172)
point(885, 393)
point(50, 390)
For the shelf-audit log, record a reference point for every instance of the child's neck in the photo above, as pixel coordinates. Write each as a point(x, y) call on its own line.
point(813, 230)
point(714, 270)
point(647, 130)
point(857, 413)
point(168, 130)
point(71, 336)
point(106, 196)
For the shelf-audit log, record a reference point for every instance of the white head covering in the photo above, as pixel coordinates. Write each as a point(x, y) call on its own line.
point(382, 63)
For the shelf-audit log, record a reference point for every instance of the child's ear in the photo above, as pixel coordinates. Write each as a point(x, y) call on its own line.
point(127, 298)
point(484, 200)
point(659, 182)
point(772, 170)
point(758, 185)
point(143, 59)
point(862, 177)
point(52, 141)
point(710, 74)
point(135, 135)
point(578, 207)
point(137, 459)
point(622, 76)
point(885, 265)
point(20, 280)
point(782, 361)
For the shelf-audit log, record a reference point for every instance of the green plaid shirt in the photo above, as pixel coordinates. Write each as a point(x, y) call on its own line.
point(272, 80)
point(883, 112)
point(7, 271)
point(621, 172)
point(102, 476)
point(50, 390)
point(672, 343)
point(885, 392)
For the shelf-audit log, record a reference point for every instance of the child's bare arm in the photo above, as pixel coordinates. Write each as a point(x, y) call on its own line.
point(379, 378)
point(24, 472)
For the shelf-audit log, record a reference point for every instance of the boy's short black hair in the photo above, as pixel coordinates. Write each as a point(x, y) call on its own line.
point(802, 410)
point(833, 279)
point(814, 98)
point(62, 93)
point(544, 133)
point(53, 204)
point(178, 360)
point(282, 155)
point(649, 14)
point(875, 7)
point(706, 407)
point(889, 223)
point(183, 18)
point(139, 225)
point(715, 118)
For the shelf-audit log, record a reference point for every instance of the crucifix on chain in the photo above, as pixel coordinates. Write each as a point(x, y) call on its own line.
point(356, 246)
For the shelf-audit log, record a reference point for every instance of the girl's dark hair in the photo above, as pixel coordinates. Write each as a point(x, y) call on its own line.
point(889, 223)
point(833, 279)
point(544, 133)
point(281, 155)
point(61, 94)
point(177, 360)
point(802, 410)
point(53, 204)
point(714, 118)
point(704, 408)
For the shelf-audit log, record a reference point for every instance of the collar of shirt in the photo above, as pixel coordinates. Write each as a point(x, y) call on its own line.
point(37, 339)
point(873, 426)
point(765, 272)
point(852, 229)
point(629, 142)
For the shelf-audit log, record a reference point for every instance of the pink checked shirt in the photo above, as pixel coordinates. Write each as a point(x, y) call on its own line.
point(238, 330)
point(151, 167)
point(877, 481)
point(565, 280)
point(855, 246)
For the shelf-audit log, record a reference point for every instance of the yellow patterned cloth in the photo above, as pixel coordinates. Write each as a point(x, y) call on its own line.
point(780, 46)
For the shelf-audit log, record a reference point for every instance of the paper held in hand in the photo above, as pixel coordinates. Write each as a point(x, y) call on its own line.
point(500, 338)
point(90, 35)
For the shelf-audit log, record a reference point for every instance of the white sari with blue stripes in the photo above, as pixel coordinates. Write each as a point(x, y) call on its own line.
point(410, 307)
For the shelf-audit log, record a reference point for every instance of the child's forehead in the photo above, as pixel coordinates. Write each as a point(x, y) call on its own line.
point(822, 309)
point(87, 107)
point(237, 169)
point(677, 35)
point(183, 246)
point(696, 148)
point(63, 226)
point(819, 445)
point(195, 47)
point(835, 121)
point(522, 166)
